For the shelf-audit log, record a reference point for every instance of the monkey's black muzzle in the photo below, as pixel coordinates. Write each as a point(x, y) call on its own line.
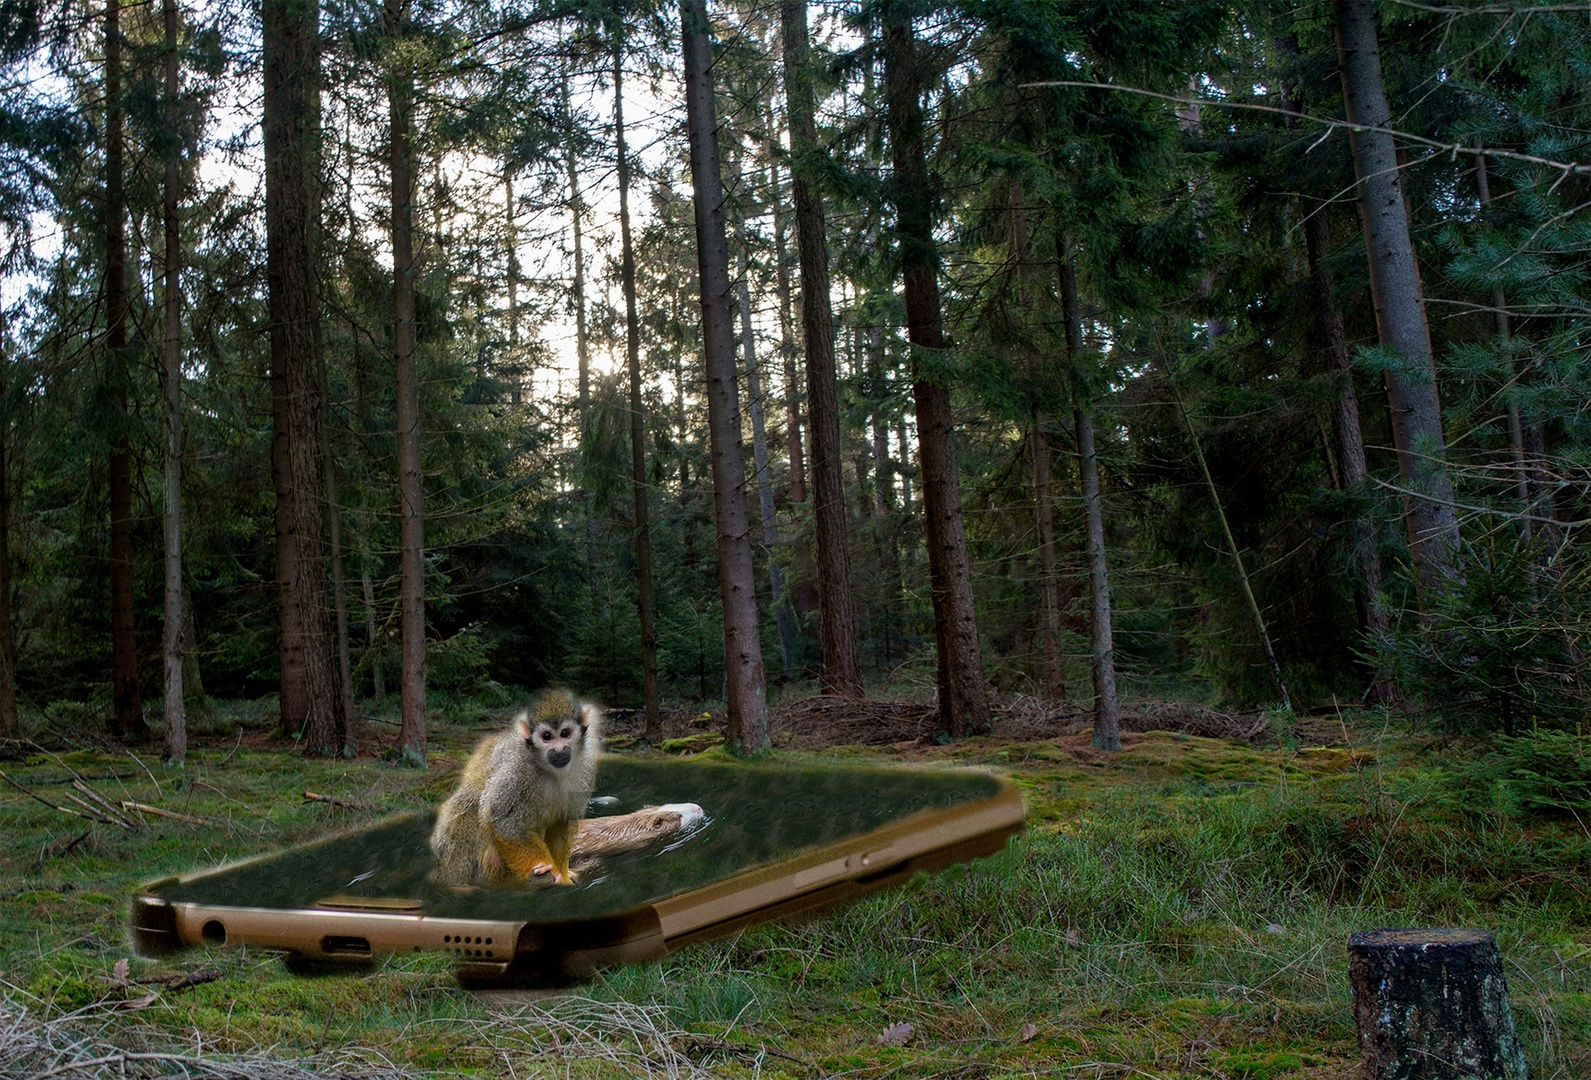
point(560, 757)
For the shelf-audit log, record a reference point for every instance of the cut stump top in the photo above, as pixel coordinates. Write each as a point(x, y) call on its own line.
point(1440, 936)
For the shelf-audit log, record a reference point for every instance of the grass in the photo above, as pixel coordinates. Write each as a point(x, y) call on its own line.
point(1178, 910)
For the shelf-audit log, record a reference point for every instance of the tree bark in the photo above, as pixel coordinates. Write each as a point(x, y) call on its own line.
point(1102, 655)
point(1433, 1005)
point(1400, 309)
point(745, 689)
point(842, 671)
point(653, 730)
point(291, 59)
point(411, 523)
point(174, 643)
point(784, 617)
point(127, 721)
point(963, 706)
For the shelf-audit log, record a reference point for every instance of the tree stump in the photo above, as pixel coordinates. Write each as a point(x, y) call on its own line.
point(1433, 1005)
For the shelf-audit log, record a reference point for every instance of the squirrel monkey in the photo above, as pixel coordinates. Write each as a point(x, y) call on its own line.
point(521, 798)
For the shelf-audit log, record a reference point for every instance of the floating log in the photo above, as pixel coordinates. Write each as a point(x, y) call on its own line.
point(1432, 1004)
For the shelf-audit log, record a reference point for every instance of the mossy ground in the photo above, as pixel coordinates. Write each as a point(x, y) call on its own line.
point(1178, 909)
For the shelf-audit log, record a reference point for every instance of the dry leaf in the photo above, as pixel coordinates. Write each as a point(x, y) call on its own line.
point(1028, 1031)
point(896, 1035)
point(1074, 936)
point(121, 969)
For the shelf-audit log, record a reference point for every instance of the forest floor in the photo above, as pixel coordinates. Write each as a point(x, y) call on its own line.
point(1179, 909)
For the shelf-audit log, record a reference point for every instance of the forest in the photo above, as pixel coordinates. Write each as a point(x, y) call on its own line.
point(1226, 351)
point(1178, 409)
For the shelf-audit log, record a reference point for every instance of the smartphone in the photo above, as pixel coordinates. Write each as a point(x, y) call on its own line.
point(774, 841)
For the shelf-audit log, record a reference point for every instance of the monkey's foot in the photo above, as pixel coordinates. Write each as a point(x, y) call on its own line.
point(542, 869)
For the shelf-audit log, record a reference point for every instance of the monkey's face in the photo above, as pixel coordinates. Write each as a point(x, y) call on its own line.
point(553, 741)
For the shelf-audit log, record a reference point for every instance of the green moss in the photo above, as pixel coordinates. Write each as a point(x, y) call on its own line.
point(691, 744)
point(1263, 1064)
point(1129, 921)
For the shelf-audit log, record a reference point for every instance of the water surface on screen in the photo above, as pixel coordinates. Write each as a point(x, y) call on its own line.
point(756, 815)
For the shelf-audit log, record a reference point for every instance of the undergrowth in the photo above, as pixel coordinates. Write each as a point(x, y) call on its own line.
point(1178, 910)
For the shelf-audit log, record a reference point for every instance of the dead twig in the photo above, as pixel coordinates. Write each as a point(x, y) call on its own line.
point(180, 980)
point(232, 751)
point(332, 800)
point(39, 798)
point(60, 849)
point(228, 798)
point(105, 804)
point(97, 814)
point(142, 808)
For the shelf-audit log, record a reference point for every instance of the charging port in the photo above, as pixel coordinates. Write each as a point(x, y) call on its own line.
point(338, 945)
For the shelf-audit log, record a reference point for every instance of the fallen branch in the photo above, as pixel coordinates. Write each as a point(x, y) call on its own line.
point(99, 815)
point(39, 798)
point(179, 981)
point(105, 804)
point(332, 800)
point(158, 812)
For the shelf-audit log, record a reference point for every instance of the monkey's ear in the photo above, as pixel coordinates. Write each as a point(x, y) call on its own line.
point(588, 713)
point(522, 724)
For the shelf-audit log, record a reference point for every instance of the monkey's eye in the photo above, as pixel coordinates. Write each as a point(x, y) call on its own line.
point(565, 733)
point(546, 736)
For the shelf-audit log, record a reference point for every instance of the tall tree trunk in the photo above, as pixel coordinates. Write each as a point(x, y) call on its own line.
point(1049, 583)
point(291, 59)
point(576, 216)
point(1400, 309)
point(1350, 451)
point(806, 593)
point(368, 591)
point(1102, 655)
point(1054, 665)
point(339, 583)
point(127, 721)
point(174, 644)
point(784, 617)
point(883, 491)
point(411, 523)
point(632, 338)
point(787, 345)
point(745, 690)
point(904, 466)
point(842, 670)
point(1362, 556)
point(963, 705)
point(10, 722)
